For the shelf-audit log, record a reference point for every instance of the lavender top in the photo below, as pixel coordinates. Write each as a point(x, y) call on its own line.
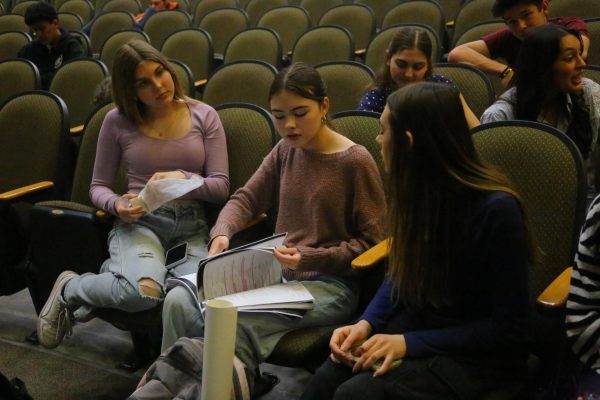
point(202, 151)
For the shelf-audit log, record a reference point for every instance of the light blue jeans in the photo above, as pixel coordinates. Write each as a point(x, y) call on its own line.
point(258, 333)
point(137, 251)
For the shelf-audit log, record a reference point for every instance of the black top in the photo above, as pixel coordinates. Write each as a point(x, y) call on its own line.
point(48, 60)
point(490, 314)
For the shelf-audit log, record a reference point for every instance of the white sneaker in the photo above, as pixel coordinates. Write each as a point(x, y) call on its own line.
point(55, 320)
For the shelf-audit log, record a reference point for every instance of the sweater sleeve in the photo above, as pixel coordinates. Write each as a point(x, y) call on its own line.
point(216, 163)
point(141, 19)
point(106, 165)
point(254, 198)
point(380, 308)
point(583, 304)
point(500, 245)
point(499, 44)
point(368, 213)
point(501, 110)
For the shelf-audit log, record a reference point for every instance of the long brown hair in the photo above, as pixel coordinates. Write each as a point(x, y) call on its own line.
point(430, 179)
point(127, 59)
point(405, 39)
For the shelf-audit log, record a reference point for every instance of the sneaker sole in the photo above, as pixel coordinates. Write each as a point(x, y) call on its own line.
point(58, 285)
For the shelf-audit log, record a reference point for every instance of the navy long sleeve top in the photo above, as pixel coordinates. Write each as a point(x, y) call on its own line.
point(489, 315)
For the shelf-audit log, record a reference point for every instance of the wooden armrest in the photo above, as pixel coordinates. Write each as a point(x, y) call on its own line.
point(372, 256)
point(199, 83)
point(555, 295)
point(76, 130)
point(101, 214)
point(26, 190)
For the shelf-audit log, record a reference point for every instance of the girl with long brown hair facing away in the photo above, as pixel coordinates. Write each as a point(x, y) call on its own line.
point(451, 318)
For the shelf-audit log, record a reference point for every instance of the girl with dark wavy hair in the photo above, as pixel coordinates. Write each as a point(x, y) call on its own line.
point(550, 88)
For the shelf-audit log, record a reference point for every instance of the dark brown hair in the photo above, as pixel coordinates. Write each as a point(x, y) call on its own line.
point(405, 39)
point(302, 80)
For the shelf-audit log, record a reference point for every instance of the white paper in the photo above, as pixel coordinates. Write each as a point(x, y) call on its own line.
point(158, 192)
point(246, 270)
point(241, 269)
point(219, 346)
point(291, 292)
point(193, 277)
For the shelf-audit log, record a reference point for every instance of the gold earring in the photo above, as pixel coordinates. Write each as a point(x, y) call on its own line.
point(323, 119)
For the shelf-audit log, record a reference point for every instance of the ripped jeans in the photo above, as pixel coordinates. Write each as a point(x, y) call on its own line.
point(132, 279)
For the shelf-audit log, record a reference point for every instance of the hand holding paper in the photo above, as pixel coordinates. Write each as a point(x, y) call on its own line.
point(126, 211)
point(289, 257)
point(158, 192)
point(218, 245)
point(167, 175)
point(249, 277)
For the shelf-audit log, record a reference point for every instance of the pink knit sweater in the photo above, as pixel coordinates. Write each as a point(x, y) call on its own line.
point(331, 205)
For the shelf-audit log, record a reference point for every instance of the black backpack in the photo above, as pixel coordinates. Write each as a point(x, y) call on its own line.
point(13, 389)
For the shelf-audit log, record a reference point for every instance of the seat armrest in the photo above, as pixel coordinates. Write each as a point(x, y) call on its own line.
point(22, 192)
point(555, 295)
point(102, 214)
point(373, 256)
point(76, 130)
point(360, 53)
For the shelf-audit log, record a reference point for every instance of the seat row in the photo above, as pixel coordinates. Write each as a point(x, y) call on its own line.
point(290, 23)
point(448, 18)
point(57, 225)
point(555, 209)
point(241, 80)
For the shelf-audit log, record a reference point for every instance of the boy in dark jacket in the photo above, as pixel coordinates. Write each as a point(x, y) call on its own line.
point(53, 46)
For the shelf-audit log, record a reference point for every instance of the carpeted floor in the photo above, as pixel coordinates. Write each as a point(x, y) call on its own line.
point(83, 367)
point(48, 375)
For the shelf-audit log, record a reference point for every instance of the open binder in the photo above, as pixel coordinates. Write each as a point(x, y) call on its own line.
point(250, 278)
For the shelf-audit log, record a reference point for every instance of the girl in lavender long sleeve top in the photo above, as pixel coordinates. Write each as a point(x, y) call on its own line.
point(156, 133)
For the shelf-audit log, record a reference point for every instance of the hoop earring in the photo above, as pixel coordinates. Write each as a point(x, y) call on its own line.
point(323, 120)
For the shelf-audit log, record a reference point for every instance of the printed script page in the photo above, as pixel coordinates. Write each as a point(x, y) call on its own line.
point(241, 271)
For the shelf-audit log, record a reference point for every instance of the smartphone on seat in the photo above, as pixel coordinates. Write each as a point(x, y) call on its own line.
point(176, 255)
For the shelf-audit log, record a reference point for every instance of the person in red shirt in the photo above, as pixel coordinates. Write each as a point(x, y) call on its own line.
point(519, 15)
point(141, 18)
point(153, 8)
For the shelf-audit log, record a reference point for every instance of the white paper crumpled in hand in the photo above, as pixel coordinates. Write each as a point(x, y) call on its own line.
point(156, 193)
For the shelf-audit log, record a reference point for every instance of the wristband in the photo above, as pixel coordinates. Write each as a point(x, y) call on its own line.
point(505, 72)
